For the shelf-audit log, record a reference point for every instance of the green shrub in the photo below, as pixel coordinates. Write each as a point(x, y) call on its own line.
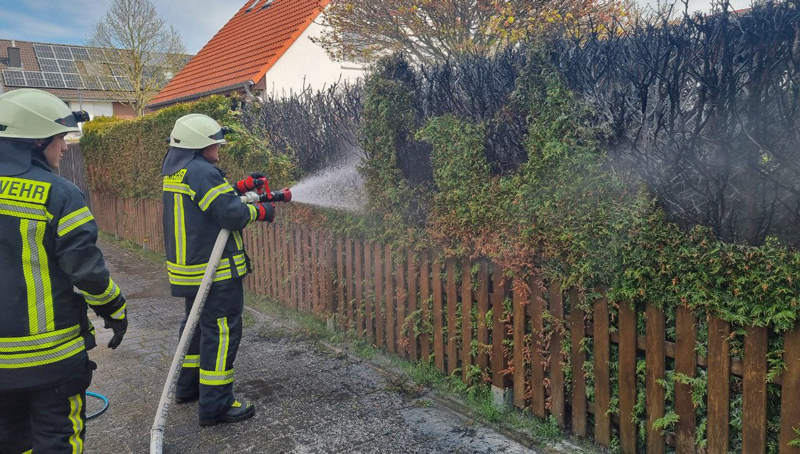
point(123, 157)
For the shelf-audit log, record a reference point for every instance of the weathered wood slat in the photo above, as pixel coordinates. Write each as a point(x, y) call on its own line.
point(790, 393)
point(685, 340)
point(413, 298)
point(315, 280)
point(425, 294)
point(402, 298)
point(359, 278)
point(466, 319)
point(518, 320)
point(380, 324)
point(536, 313)
point(627, 378)
point(482, 299)
point(349, 280)
point(754, 390)
point(438, 334)
point(452, 307)
point(557, 398)
point(719, 388)
point(341, 308)
point(655, 328)
point(388, 285)
point(602, 376)
point(369, 294)
point(498, 327)
point(577, 333)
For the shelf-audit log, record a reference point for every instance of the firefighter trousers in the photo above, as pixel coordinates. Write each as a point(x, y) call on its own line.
point(207, 371)
point(49, 419)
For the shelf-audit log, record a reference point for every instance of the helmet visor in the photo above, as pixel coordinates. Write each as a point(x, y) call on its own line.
point(220, 135)
point(71, 121)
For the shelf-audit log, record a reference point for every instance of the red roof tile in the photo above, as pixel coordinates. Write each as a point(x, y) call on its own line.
point(243, 50)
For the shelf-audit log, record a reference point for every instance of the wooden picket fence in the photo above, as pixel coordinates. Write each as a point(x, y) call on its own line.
point(378, 292)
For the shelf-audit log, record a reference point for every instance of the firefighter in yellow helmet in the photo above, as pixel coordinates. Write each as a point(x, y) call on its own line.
point(198, 202)
point(47, 239)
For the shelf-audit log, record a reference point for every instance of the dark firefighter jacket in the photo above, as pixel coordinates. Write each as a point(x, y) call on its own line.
point(198, 203)
point(47, 246)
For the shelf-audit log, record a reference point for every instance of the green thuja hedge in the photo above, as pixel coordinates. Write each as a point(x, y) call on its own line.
point(123, 157)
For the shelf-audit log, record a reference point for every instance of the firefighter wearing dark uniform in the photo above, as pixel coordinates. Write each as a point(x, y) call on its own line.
point(47, 244)
point(198, 203)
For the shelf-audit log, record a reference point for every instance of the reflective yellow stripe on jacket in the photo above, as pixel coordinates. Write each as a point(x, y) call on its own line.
point(213, 193)
point(36, 271)
point(74, 220)
point(109, 294)
point(179, 221)
point(39, 358)
point(193, 274)
point(38, 341)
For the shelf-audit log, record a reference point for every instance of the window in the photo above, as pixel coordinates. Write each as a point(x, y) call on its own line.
point(253, 5)
point(266, 5)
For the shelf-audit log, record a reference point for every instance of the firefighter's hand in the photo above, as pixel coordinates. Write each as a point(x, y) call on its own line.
point(118, 326)
point(266, 212)
point(253, 181)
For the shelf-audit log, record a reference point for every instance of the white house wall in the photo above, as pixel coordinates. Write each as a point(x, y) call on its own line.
point(95, 109)
point(306, 62)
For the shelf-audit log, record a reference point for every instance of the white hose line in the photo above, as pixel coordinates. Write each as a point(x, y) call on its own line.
point(168, 394)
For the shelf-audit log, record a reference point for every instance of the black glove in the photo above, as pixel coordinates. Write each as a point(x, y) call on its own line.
point(253, 181)
point(118, 326)
point(266, 212)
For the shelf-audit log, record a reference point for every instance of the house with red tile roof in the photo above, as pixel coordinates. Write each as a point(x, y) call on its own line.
point(266, 48)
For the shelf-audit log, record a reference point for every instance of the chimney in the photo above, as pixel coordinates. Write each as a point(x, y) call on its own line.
point(14, 58)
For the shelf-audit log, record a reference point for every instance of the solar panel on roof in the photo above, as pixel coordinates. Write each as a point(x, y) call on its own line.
point(109, 83)
point(14, 78)
point(117, 70)
point(44, 51)
point(92, 83)
point(54, 80)
point(34, 79)
point(49, 65)
point(80, 53)
point(62, 52)
point(97, 55)
point(68, 66)
point(124, 84)
point(73, 81)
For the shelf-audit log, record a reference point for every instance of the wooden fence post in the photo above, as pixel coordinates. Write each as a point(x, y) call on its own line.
point(452, 307)
point(388, 283)
point(627, 378)
point(438, 334)
point(518, 308)
point(536, 313)
point(557, 391)
point(466, 315)
point(602, 379)
point(380, 325)
point(790, 392)
point(413, 298)
point(656, 352)
point(578, 333)
point(754, 390)
point(685, 364)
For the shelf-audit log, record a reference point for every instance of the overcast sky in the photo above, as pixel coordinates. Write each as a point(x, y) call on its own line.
point(71, 21)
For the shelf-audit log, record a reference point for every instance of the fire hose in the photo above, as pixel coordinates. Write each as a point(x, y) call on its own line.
point(168, 394)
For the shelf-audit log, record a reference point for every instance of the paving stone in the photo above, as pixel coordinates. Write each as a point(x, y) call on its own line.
point(308, 399)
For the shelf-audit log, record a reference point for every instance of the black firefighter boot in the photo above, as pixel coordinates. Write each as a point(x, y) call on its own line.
point(239, 411)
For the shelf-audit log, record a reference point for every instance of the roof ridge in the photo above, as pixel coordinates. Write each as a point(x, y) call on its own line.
point(244, 49)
